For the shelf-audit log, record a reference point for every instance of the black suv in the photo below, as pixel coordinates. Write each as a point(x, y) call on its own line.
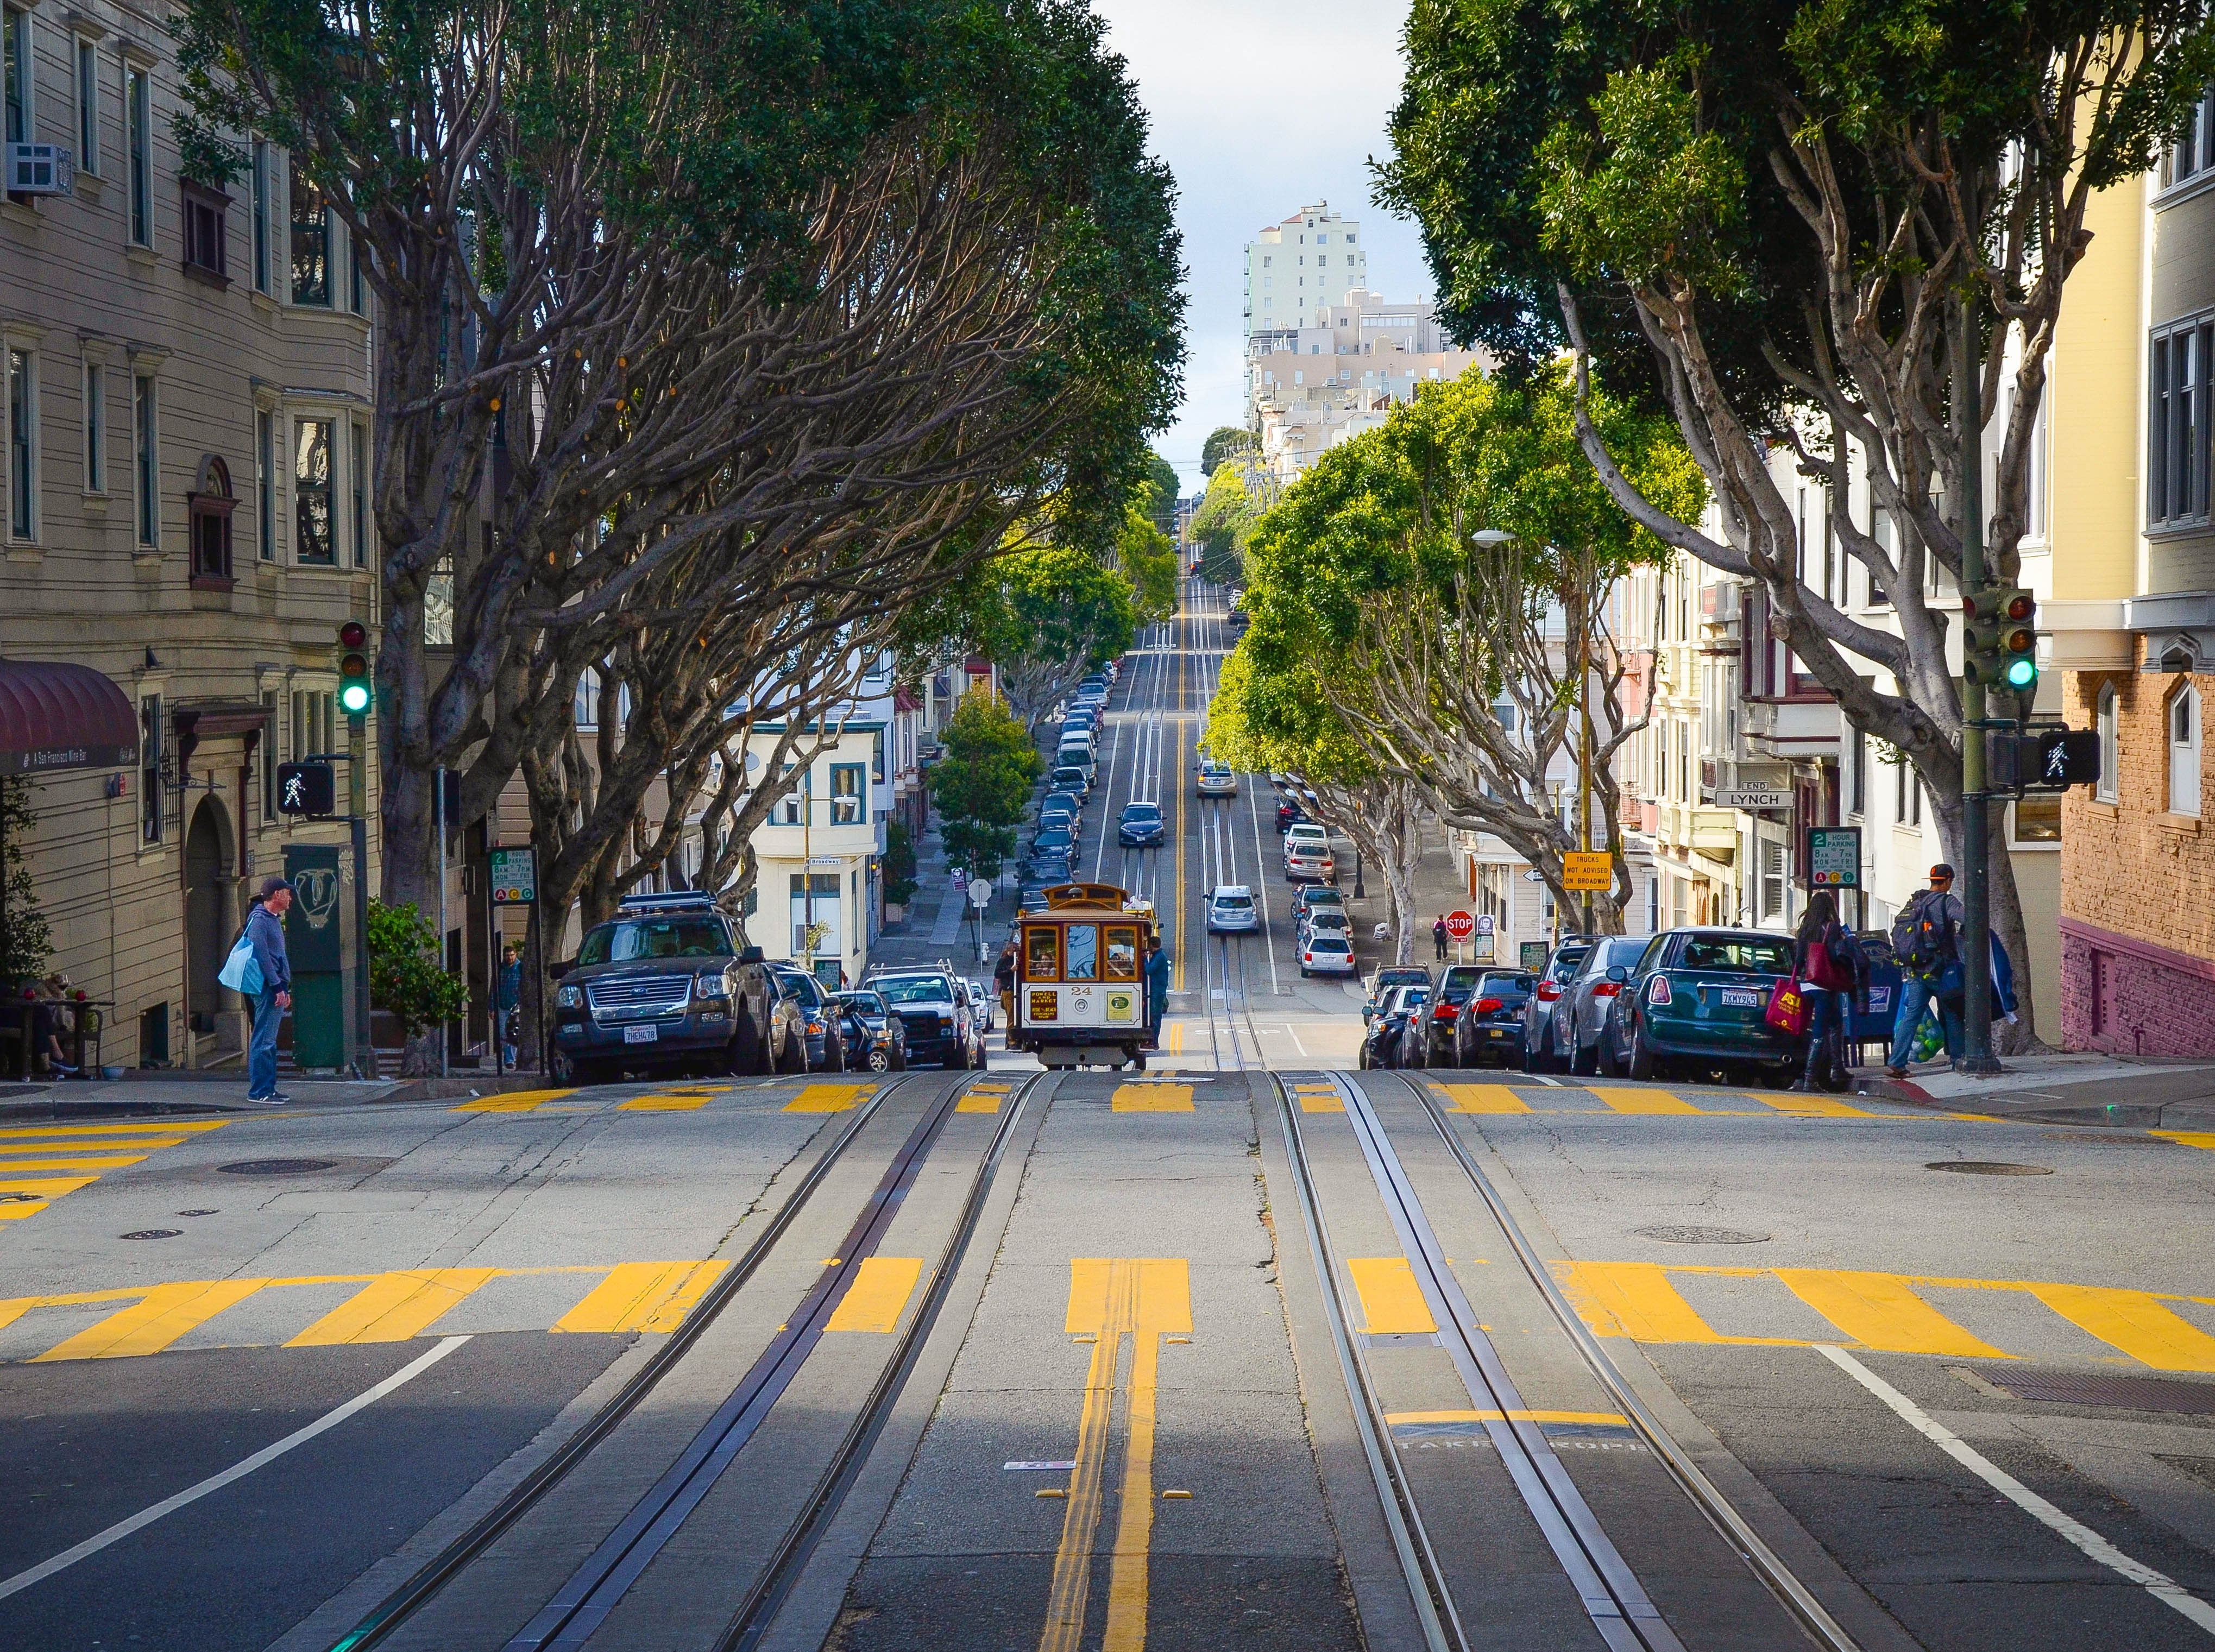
point(934, 1014)
point(663, 987)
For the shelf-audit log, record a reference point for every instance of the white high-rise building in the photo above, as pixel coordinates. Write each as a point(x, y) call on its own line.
point(1297, 268)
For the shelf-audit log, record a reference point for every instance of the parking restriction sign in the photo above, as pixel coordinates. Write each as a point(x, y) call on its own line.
point(514, 876)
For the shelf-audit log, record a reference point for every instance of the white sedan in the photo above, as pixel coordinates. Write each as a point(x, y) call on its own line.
point(1230, 910)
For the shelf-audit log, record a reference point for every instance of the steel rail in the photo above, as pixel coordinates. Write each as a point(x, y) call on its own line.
point(1766, 1563)
point(403, 1602)
point(757, 1611)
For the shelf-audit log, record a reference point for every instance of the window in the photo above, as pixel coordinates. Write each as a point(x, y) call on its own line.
point(815, 905)
point(265, 484)
point(311, 242)
point(146, 464)
point(311, 494)
point(138, 135)
point(358, 474)
point(22, 447)
point(208, 509)
point(439, 619)
point(1042, 954)
point(1122, 954)
point(585, 710)
point(1857, 774)
point(2176, 441)
point(150, 768)
point(15, 47)
point(204, 210)
point(261, 168)
point(2184, 752)
point(792, 807)
point(2105, 788)
point(2037, 820)
point(2193, 152)
point(849, 794)
point(1772, 878)
point(269, 755)
point(357, 288)
point(315, 723)
point(88, 106)
point(96, 428)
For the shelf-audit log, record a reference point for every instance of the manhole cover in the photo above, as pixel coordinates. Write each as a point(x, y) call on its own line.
point(1989, 1167)
point(2130, 1393)
point(278, 1167)
point(1700, 1236)
point(156, 1233)
point(198, 1212)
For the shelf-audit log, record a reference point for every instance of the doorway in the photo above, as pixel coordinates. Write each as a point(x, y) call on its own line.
point(208, 906)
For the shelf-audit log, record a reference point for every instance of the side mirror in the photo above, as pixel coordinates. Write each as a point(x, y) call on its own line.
point(1618, 974)
point(751, 955)
point(561, 967)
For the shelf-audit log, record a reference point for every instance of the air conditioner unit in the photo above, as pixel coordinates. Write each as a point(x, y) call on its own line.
point(40, 169)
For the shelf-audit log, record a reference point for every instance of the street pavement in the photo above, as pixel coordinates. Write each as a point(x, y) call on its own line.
point(1246, 1350)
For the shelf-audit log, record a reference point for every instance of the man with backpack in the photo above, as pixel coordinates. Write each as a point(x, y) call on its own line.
point(265, 932)
point(1927, 940)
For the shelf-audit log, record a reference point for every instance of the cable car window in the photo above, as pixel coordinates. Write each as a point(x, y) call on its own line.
point(1042, 954)
point(1083, 952)
point(1122, 952)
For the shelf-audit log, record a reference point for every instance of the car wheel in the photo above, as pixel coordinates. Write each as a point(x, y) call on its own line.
point(1641, 1063)
point(1581, 1064)
point(1603, 1054)
point(795, 1059)
point(585, 1075)
point(880, 1062)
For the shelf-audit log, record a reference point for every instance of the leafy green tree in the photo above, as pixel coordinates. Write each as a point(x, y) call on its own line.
point(1045, 614)
point(407, 981)
point(981, 785)
point(1846, 229)
point(1148, 560)
point(1156, 496)
point(26, 941)
point(899, 863)
point(1223, 525)
point(1223, 441)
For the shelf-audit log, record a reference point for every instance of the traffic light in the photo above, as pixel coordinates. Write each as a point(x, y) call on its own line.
point(356, 695)
point(2018, 641)
point(1999, 639)
point(306, 789)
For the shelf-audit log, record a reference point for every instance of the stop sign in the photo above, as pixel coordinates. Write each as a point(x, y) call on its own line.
point(1460, 927)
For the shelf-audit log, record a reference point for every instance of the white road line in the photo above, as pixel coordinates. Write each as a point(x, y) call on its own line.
point(1543, 1078)
point(2162, 1587)
point(238, 1471)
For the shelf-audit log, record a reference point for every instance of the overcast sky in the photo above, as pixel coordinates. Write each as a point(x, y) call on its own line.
point(1260, 109)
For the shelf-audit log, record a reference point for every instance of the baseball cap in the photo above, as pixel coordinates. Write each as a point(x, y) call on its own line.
point(1941, 870)
point(271, 885)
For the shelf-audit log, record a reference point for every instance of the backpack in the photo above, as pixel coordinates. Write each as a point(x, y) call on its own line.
point(1922, 937)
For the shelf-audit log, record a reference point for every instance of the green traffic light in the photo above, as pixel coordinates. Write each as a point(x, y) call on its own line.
point(354, 698)
point(2021, 673)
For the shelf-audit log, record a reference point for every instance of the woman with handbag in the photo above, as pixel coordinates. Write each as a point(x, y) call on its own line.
point(1824, 957)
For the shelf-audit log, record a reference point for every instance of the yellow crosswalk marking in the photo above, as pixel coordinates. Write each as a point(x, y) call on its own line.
point(878, 1295)
point(1391, 1301)
point(1600, 1418)
point(1483, 1099)
point(168, 1126)
point(512, 1101)
point(1625, 1100)
point(35, 1193)
point(1152, 1098)
point(2205, 1138)
point(982, 1098)
point(642, 1296)
point(156, 1320)
point(92, 1148)
point(11, 1164)
point(2133, 1321)
point(1319, 1098)
point(1880, 1311)
point(15, 1308)
point(1812, 1105)
point(1635, 1300)
point(828, 1097)
point(392, 1308)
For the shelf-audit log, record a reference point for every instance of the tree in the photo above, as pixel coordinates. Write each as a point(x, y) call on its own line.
point(1460, 666)
point(1047, 615)
point(26, 941)
point(982, 782)
point(899, 864)
point(1148, 560)
point(1844, 231)
point(406, 979)
point(1223, 441)
point(1157, 493)
point(1223, 525)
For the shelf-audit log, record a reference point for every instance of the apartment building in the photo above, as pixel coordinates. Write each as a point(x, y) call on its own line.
point(1312, 386)
point(186, 431)
point(1297, 268)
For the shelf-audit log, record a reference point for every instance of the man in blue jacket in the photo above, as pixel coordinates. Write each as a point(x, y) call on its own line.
point(1157, 991)
point(265, 932)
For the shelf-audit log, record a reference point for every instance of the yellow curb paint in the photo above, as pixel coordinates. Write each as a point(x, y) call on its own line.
point(1391, 1301)
point(1599, 1419)
point(2202, 1139)
point(828, 1097)
point(392, 1308)
point(1482, 1098)
point(879, 1294)
point(1175, 1496)
point(512, 1101)
point(155, 1321)
point(1813, 1106)
point(1624, 1100)
point(1152, 1098)
point(2133, 1321)
point(668, 1102)
point(1880, 1311)
point(1051, 1491)
point(642, 1296)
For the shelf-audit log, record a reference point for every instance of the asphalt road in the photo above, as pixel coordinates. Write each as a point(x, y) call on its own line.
point(1076, 1360)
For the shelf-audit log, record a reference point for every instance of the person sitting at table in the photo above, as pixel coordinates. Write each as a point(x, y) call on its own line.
point(50, 1002)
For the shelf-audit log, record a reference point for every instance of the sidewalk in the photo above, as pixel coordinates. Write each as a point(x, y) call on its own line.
point(2064, 1089)
point(155, 1094)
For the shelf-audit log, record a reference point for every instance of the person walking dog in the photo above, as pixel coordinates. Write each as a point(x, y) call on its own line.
point(265, 932)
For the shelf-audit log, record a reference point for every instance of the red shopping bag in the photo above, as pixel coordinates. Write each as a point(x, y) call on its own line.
point(1787, 1009)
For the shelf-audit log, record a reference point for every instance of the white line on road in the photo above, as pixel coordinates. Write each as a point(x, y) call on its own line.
point(239, 1470)
point(2162, 1587)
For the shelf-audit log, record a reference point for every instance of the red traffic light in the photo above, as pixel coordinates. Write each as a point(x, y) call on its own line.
point(2019, 607)
point(352, 635)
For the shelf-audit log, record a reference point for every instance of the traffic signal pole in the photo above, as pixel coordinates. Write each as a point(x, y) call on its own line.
point(1976, 866)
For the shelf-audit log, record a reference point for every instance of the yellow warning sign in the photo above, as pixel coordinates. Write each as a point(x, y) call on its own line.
point(1594, 872)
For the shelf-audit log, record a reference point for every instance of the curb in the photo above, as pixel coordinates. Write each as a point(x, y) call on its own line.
point(59, 1103)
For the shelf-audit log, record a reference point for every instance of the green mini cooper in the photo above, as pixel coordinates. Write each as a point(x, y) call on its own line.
point(1696, 1001)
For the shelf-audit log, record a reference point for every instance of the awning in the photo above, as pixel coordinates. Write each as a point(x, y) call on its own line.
point(55, 715)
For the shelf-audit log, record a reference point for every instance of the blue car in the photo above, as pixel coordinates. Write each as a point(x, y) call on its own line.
point(1141, 827)
point(1056, 840)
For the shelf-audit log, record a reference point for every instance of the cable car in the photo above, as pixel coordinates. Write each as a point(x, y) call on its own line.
point(1080, 995)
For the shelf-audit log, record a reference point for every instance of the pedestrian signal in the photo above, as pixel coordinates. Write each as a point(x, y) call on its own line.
point(306, 789)
point(356, 694)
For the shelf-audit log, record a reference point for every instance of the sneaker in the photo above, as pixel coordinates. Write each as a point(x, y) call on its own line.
point(1895, 1072)
point(274, 1098)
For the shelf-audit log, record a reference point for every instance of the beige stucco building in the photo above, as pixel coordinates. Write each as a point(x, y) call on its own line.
point(187, 436)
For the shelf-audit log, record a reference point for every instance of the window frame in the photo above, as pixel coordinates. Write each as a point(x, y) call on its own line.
point(19, 77)
point(146, 462)
point(2106, 722)
point(85, 66)
point(299, 188)
point(306, 490)
point(2178, 393)
point(205, 222)
point(150, 753)
point(2185, 697)
point(92, 423)
point(19, 365)
point(2196, 148)
point(260, 197)
point(858, 775)
point(358, 486)
point(138, 149)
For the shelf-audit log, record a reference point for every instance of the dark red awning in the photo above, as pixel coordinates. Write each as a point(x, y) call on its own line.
point(55, 715)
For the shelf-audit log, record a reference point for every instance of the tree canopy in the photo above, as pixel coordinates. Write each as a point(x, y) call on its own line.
point(1222, 441)
point(982, 782)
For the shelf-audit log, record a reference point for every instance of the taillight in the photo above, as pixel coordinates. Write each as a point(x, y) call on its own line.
point(1548, 992)
point(1607, 989)
point(1488, 1007)
point(1658, 991)
point(1444, 1013)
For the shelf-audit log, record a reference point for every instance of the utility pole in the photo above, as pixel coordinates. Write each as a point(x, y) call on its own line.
point(1976, 868)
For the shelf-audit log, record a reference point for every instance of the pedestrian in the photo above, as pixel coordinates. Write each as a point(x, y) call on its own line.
point(48, 999)
point(1003, 983)
point(1438, 936)
point(1157, 990)
point(1823, 960)
point(1927, 940)
point(265, 930)
point(511, 1000)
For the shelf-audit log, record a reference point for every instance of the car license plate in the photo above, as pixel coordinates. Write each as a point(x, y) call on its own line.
point(1740, 998)
point(641, 1034)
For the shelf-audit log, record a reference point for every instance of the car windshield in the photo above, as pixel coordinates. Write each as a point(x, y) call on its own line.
point(1461, 975)
point(1240, 903)
point(916, 989)
point(1323, 895)
point(1400, 976)
point(1324, 919)
point(1055, 837)
point(1327, 943)
point(1141, 812)
point(803, 987)
point(1565, 963)
point(1738, 952)
point(646, 938)
point(866, 1003)
point(1069, 774)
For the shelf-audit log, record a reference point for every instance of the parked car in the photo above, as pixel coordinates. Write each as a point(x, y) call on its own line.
point(1582, 1008)
point(1697, 1001)
point(1140, 826)
point(1054, 840)
point(1489, 1030)
point(1289, 813)
point(1310, 897)
point(1430, 1040)
point(1049, 869)
point(933, 1013)
point(1078, 755)
point(1216, 780)
point(1383, 978)
point(826, 1051)
point(1310, 830)
point(876, 1039)
point(1381, 1046)
point(985, 1004)
point(1069, 777)
point(1538, 1012)
point(1308, 861)
point(1326, 920)
point(1326, 955)
point(1230, 910)
point(662, 986)
point(1059, 813)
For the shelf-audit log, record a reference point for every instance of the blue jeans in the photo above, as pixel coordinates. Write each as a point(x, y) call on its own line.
point(1914, 994)
point(262, 1054)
